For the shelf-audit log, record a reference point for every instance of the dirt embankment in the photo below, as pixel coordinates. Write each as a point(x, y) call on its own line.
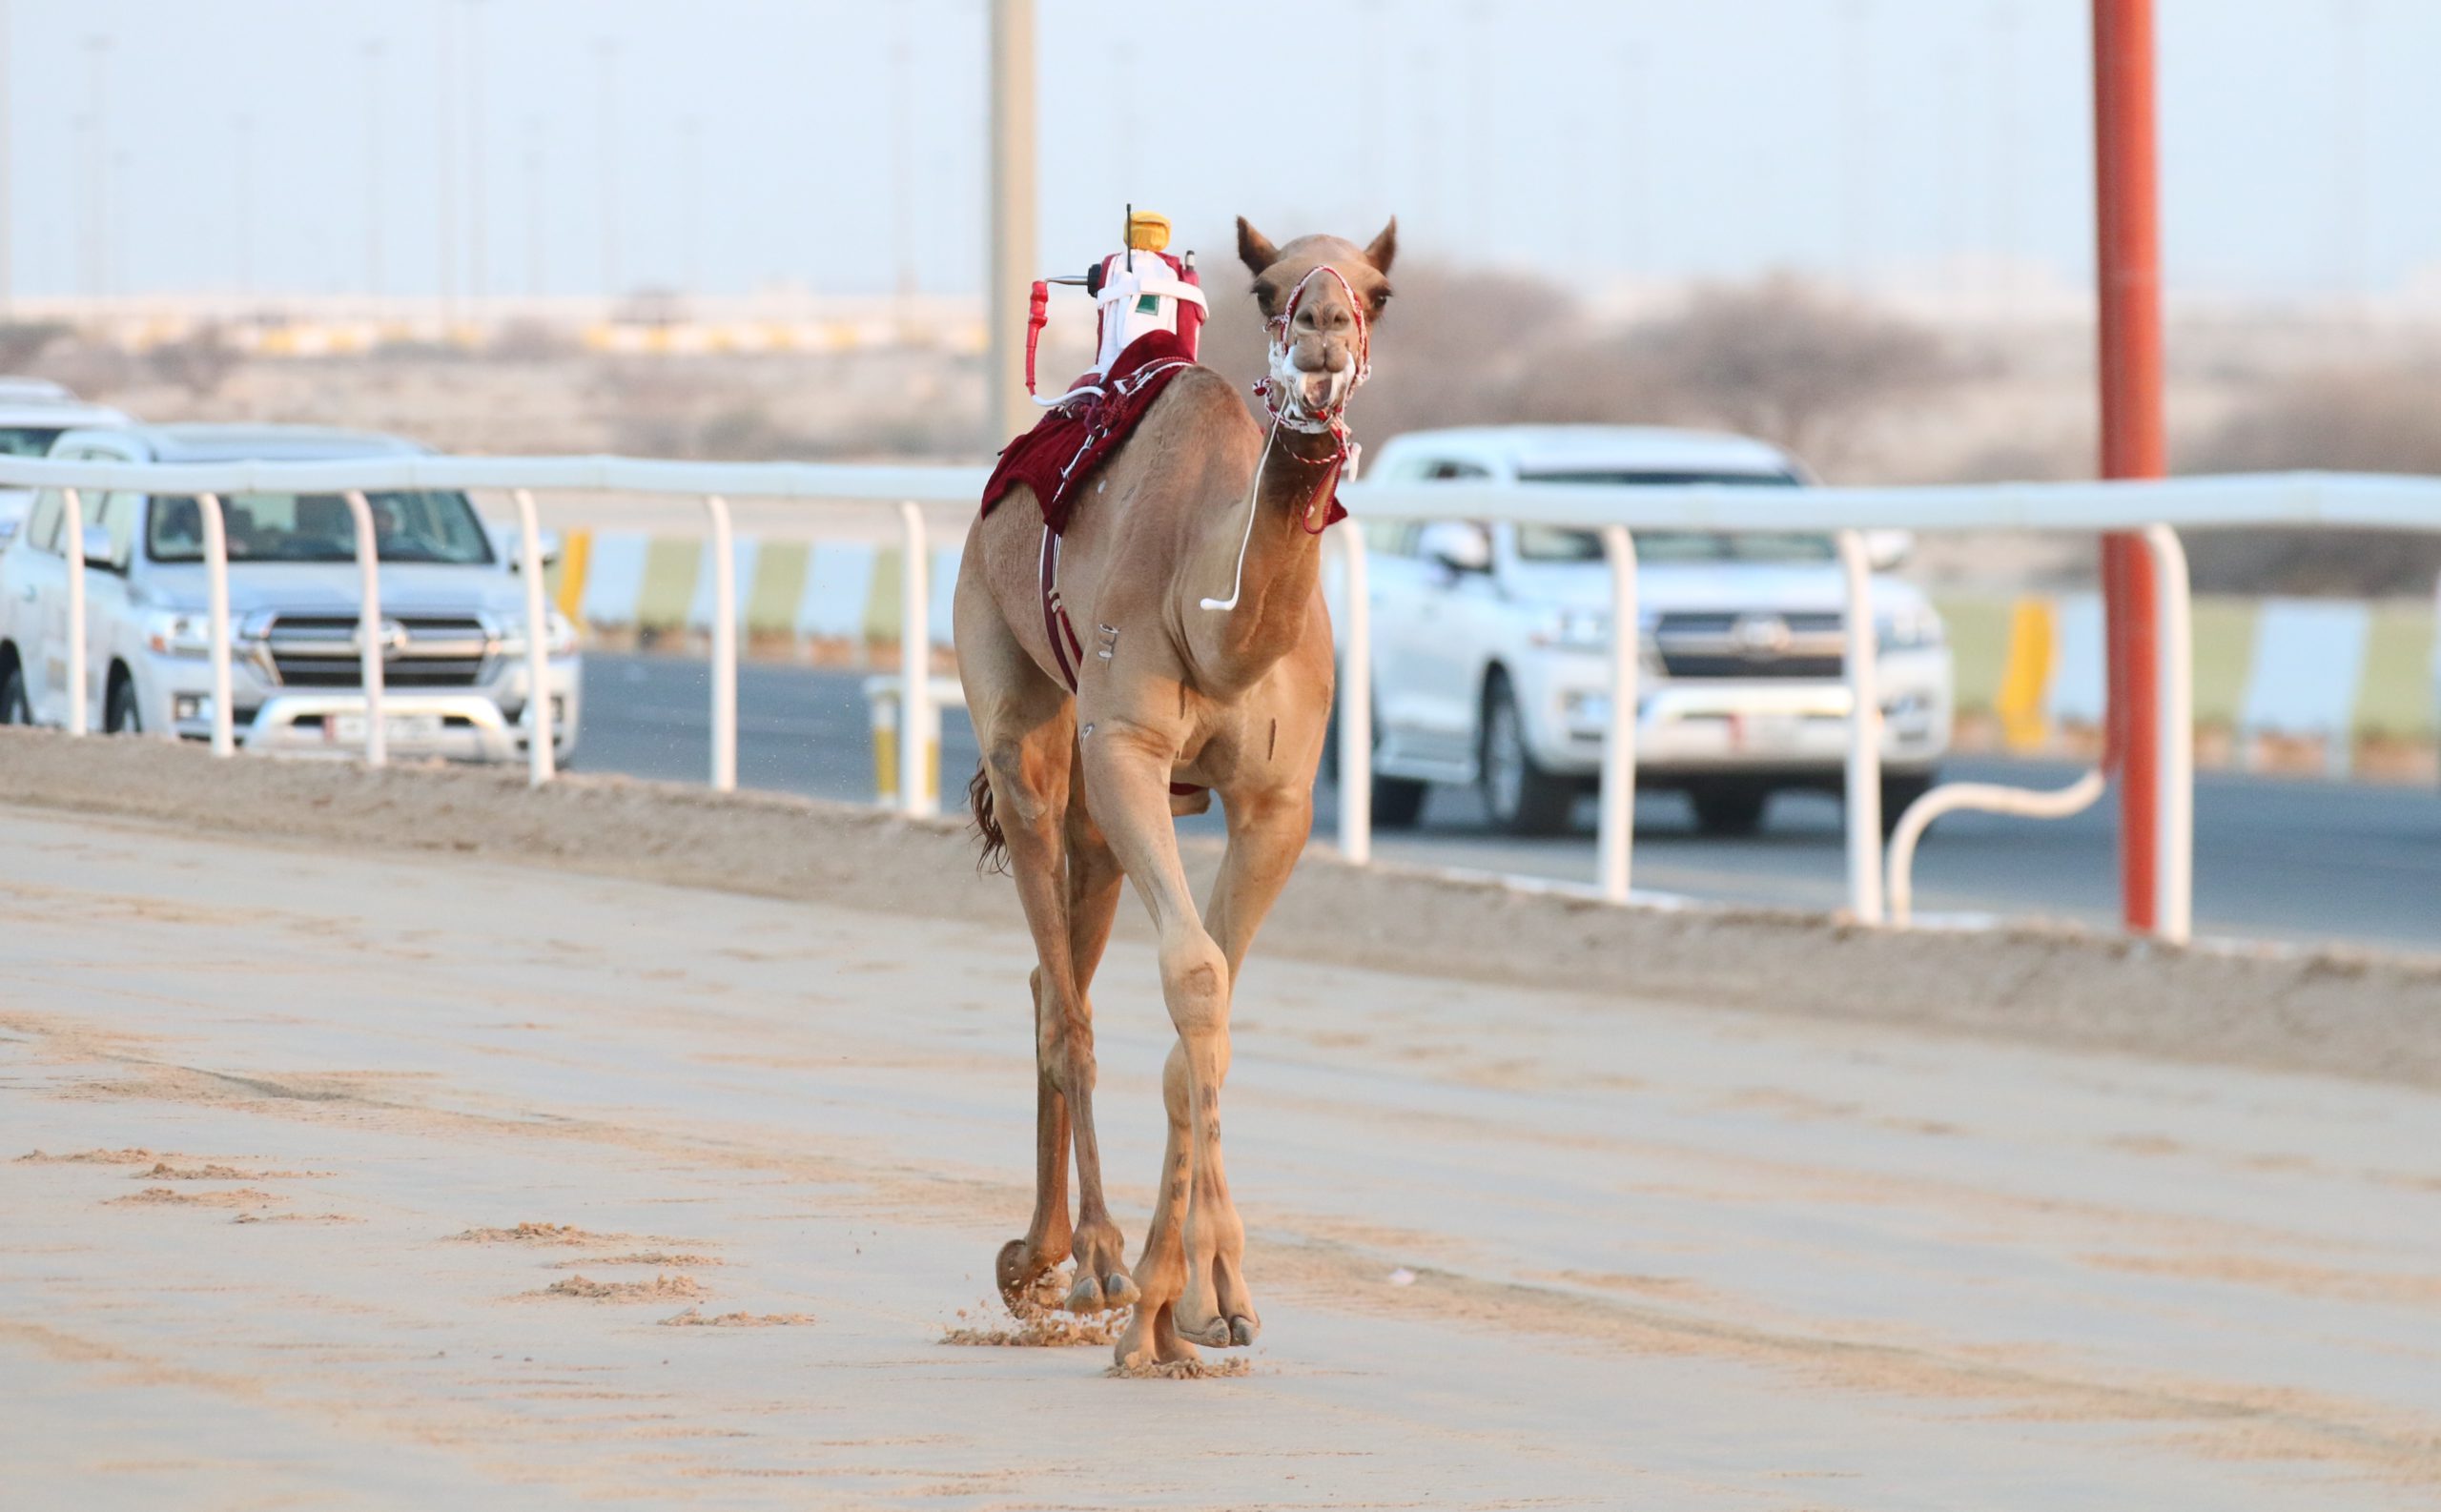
point(2342, 1012)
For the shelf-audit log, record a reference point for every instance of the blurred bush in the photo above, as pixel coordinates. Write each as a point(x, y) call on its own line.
point(2371, 421)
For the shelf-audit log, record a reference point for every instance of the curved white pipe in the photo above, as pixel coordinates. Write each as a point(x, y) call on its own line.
point(1356, 706)
point(1859, 655)
point(73, 532)
point(216, 577)
point(916, 798)
point(2174, 798)
point(2023, 803)
point(1617, 831)
point(370, 646)
point(541, 759)
point(724, 646)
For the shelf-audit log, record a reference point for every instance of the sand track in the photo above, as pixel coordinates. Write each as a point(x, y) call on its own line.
point(352, 1129)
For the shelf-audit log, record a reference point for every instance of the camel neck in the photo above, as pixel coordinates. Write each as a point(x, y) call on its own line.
point(1282, 561)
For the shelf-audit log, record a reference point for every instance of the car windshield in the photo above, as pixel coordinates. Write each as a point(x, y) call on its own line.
point(26, 440)
point(1561, 543)
point(426, 525)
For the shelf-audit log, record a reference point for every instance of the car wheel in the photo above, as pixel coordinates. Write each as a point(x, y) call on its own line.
point(1398, 803)
point(13, 708)
point(119, 716)
point(1521, 797)
point(1725, 811)
point(1900, 792)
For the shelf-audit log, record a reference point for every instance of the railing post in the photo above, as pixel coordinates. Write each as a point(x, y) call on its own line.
point(1356, 707)
point(540, 758)
point(1617, 830)
point(372, 644)
point(2174, 816)
point(1860, 655)
point(915, 796)
point(216, 577)
point(74, 527)
point(724, 647)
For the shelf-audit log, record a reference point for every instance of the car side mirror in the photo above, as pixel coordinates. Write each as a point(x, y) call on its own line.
point(512, 546)
point(99, 550)
point(1457, 545)
point(1886, 549)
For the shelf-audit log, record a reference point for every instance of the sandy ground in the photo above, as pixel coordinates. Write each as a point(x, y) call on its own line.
point(411, 1174)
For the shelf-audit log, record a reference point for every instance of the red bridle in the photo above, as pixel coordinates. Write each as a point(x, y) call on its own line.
point(1292, 413)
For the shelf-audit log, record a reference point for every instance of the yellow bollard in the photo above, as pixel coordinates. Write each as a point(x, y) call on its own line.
point(2028, 677)
point(882, 703)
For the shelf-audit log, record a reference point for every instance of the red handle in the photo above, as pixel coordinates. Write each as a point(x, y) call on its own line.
point(1038, 315)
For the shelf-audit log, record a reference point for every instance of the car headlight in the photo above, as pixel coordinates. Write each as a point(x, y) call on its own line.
point(1909, 629)
point(171, 632)
point(1574, 631)
point(559, 636)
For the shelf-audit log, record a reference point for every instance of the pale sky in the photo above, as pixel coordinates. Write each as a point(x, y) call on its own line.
point(1649, 137)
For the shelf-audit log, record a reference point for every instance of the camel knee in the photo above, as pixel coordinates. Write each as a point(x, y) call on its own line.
point(1063, 1044)
point(1025, 796)
point(1195, 982)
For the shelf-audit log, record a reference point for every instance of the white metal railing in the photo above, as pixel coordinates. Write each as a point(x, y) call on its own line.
point(2155, 509)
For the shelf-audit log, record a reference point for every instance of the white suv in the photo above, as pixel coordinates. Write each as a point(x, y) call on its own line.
point(453, 667)
point(33, 414)
point(1488, 642)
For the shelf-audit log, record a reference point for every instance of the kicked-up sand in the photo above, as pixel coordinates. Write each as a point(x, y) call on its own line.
point(390, 1178)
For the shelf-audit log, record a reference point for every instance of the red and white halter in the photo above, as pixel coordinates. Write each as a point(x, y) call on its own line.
point(1283, 398)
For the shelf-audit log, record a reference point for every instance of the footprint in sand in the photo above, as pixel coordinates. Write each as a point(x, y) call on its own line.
point(661, 1288)
point(693, 1318)
point(171, 1197)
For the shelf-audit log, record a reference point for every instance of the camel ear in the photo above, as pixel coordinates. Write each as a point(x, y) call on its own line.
point(1255, 249)
point(1385, 248)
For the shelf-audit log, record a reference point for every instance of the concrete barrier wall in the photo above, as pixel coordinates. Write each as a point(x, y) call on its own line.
point(2298, 668)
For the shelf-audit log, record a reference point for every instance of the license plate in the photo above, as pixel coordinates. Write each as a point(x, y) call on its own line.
point(396, 729)
point(1775, 732)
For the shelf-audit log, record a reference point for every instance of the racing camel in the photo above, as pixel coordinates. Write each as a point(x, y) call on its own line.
point(1189, 551)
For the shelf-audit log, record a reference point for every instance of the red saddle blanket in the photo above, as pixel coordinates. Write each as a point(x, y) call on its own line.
point(1097, 417)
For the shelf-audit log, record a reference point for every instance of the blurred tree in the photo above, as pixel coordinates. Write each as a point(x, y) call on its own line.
point(2369, 420)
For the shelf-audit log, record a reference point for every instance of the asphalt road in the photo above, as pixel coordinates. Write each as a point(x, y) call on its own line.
point(2278, 858)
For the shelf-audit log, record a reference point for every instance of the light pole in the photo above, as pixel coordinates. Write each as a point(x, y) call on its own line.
point(476, 275)
point(534, 207)
point(445, 117)
point(1013, 215)
point(7, 205)
point(97, 164)
point(373, 167)
point(691, 142)
point(902, 170)
point(605, 57)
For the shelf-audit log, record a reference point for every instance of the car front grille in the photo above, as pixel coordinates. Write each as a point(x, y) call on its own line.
point(1758, 644)
point(426, 650)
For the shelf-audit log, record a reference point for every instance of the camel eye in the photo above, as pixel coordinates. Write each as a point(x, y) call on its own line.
point(1381, 297)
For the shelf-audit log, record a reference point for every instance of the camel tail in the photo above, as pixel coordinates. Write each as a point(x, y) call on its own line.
point(989, 842)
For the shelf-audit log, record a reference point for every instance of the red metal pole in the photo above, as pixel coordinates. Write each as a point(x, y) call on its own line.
point(2134, 438)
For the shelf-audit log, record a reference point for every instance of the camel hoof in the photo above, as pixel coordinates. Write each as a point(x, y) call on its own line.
point(1214, 1335)
point(1023, 1279)
point(1119, 1292)
point(1242, 1330)
point(1085, 1297)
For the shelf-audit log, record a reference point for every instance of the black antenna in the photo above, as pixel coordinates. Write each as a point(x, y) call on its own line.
point(1127, 237)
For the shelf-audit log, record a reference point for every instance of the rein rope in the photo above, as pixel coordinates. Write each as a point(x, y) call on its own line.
point(1282, 399)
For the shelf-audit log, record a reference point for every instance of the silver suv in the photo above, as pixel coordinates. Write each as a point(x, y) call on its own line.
point(454, 678)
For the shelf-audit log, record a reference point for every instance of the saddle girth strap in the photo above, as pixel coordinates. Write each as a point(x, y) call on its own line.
point(1065, 648)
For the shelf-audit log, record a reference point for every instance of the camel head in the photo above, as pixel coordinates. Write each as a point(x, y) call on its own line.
point(1319, 296)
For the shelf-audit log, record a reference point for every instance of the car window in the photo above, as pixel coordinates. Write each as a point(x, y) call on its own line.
point(117, 513)
point(1562, 543)
point(44, 523)
point(27, 440)
point(436, 525)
